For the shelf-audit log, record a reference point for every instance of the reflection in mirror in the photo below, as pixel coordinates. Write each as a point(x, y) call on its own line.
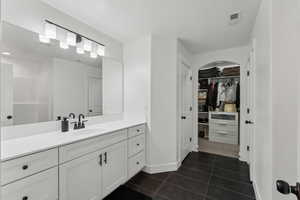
point(41, 82)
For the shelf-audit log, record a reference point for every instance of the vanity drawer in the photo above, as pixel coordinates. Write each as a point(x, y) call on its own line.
point(136, 164)
point(41, 186)
point(136, 144)
point(25, 166)
point(78, 149)
point(137, 130)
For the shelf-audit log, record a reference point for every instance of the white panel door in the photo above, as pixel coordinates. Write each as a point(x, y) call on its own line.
point(250, 112)
point(114, 167)
point(94, 96)
point(6, 94)
point(81, 179)
point(186, 111)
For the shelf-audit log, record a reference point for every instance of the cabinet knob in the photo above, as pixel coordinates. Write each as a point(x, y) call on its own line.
point(137, 163)
point(25, 167)
point(138, 130)
point(137, 144)
point(9, 117)
point(25, 198)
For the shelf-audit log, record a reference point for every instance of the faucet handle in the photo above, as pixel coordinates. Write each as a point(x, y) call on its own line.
point(75, 125)
point(82, 124)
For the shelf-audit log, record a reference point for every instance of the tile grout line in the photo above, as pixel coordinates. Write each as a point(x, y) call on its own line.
point(211, 174)
point(161, 185)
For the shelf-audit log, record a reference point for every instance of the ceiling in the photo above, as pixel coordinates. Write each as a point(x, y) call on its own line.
point(202, 25)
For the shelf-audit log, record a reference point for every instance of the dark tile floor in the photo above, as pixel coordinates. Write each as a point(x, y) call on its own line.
point(202, 176)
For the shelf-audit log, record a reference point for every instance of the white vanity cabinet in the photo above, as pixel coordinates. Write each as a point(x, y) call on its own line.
point(136, 150)
point(81, 178)
point(114, 167)
point(42, 186)
point(94, 175)
point(87, 169)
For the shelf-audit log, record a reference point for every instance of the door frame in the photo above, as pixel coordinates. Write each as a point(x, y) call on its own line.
point(243, 154)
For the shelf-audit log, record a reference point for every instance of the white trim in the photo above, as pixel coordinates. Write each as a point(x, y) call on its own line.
point(195, 148)
point(168, 167)
point(243, 157)
point(256, 191)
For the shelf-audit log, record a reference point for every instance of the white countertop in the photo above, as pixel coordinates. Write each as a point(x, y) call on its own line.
point(27, 145)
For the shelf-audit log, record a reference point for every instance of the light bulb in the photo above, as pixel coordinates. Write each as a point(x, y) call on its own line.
point(101, 50)
point(87, 45)
point(71, 39)
point(44, 39)
point(50, 31)
point(63, 45)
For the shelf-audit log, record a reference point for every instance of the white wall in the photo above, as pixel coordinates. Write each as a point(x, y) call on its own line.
point(137, 62)
point(263, 137)
point(30, 14)
point(238, 55)
point(113, 86)
point(151, 78)
point(285, 96)
point(164, 112)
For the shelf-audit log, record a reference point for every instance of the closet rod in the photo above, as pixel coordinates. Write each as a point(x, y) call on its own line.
point(222, 77)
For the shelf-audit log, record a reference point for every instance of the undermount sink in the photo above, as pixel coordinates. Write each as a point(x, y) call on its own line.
point(87, 131)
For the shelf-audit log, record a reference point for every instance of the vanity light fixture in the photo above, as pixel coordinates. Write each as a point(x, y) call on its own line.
point(101, 50)
point(63, 43)
point(50, 31)
point(87, 45)
point(71, 38)
point(94, 51)
point(79, 48)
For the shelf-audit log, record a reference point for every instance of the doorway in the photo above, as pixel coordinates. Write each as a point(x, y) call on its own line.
point(218, 102)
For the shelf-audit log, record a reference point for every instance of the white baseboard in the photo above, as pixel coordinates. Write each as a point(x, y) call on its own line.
point(169, 167)
point(242, 157)
point(195, 148)
point(256, 191)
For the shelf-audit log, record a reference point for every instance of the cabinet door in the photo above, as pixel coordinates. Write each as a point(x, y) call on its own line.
point(41, 186)
point(114, 167)
point(80, 179)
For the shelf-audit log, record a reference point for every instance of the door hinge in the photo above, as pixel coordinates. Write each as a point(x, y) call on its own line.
point(248, 110)
point(191, 139)
point(248, 148)
point(248, 73)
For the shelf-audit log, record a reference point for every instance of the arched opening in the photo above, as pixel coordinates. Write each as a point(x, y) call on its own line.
point(219, 108)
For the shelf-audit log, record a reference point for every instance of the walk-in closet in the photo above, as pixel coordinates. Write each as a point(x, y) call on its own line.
point(219, 109)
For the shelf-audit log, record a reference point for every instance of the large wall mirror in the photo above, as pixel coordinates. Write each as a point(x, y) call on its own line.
point(43, 82)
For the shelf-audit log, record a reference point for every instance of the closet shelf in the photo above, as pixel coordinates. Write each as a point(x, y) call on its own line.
point(221, 77)
point(200, 123)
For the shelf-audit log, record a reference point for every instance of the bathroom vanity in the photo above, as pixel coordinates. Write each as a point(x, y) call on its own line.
point(56, 70)
point(83, 164)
